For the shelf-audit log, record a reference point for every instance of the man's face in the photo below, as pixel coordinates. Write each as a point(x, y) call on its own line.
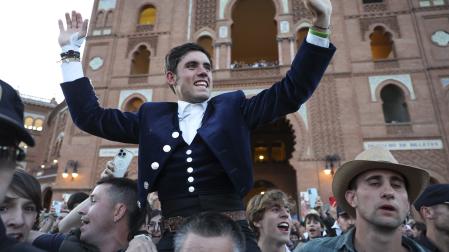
point(98, 217)
point(380, 198)
point(313, 228)
point(197, 243)
point(275, 224)
point(19, 215)
point(7, 169)
point(441, 218)
point(193, 78)
point(345, 222)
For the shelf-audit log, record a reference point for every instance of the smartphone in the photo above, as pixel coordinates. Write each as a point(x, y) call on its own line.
point(313, 196)
point(121, 161)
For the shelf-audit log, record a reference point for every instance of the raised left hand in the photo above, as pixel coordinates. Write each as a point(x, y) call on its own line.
point(321, 10)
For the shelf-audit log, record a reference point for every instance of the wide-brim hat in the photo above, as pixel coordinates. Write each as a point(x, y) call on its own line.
point(11, 114)
point(376, 159)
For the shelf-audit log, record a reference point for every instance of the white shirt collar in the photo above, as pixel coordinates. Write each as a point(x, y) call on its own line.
point(182, 105)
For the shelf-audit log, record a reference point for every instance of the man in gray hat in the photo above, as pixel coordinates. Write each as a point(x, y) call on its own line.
point(376, 190)
point(12, 133)
point(433, 206)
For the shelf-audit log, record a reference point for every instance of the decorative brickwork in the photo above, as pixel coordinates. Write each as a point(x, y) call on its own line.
point(399, 129)
point(300, 11)
point(389, 21)
point(375, 7)
point(433, 160)
point(205, 14)
point(134, 41)
point(255, 72)
point(325, 121)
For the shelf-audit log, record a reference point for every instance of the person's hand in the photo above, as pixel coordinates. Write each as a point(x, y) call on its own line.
point(321, 10)
point(141, 243)
point(74, 24)
point(109, 170)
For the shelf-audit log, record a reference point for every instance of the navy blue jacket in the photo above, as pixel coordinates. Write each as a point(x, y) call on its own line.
point(226, 125)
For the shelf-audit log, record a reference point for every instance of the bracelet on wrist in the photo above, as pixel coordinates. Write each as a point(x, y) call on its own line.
point(319, 33)
point(70, 54)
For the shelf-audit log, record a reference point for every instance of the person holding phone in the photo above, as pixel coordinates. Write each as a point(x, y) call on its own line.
point(195, 152)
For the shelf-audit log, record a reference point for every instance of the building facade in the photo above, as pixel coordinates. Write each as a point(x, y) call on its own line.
point(388, 83)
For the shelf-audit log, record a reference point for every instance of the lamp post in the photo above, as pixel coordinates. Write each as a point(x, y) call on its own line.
point(71, 164)
point(331, 162)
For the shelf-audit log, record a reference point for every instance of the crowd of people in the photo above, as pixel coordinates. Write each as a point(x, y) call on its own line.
point(258, 64)
point(195, 168)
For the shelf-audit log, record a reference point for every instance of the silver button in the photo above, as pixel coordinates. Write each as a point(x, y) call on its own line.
point(154, 165)
point(189, 159)
point(188, 152)
point(190, 170)
point(146, 185)
point(175, 134)
point(190, 179)
point(166, 148)
point(138, 204)
point(191, 189)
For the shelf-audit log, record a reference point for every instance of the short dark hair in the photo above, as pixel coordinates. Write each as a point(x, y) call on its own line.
point(210, 224)
point(421, 227)
point(315, 217)
point(75, 199)
point(26, 186)
point(124, 190)
point(175, 55)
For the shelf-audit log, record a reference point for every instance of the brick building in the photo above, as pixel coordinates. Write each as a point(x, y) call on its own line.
point(388, 83)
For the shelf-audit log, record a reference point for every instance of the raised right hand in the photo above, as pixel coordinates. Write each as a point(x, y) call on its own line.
point(109, 170)
point(74, 24)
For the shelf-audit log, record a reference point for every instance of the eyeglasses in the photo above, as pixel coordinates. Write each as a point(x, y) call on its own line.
point(12, 153)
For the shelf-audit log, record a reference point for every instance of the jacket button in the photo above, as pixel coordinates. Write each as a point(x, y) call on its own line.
point(154, 165)
point(175, 134)
point(189, 160)
point(188, 152)
point(190, 170)
point(166, 148)
point(190, 179)
point(191, 189)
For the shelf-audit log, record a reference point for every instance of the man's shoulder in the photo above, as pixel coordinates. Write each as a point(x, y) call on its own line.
point(20, 247)
point(323, 244)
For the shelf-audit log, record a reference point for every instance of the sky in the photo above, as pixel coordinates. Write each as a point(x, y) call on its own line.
point(29, 49)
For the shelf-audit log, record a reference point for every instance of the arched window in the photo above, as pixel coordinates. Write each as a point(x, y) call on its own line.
point(28, 122)
point(99, 20)
point(381, 43)
point(38, 124)
point(147, 15)
point(133, 104)
point(108, 21)
point(301, 34)
point(207, 43)
point(254, 33)
point(394, 105)
point(141, 61)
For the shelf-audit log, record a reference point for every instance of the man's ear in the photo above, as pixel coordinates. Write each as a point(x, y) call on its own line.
point(351, 198)
point(171, 78)
point(119, 211)
point(257, 224)
point(426, 212)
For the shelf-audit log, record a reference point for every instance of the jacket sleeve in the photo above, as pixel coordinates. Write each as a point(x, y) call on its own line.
point(111, 124)
point(287, 95)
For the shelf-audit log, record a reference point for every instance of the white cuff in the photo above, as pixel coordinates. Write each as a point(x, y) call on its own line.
point(71, 71)
point(317, 40)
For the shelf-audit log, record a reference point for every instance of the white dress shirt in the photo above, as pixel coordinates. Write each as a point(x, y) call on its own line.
point(190, 116)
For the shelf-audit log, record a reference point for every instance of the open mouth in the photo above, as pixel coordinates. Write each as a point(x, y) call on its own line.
point(283, 226)
point(387, 208)
point(201, 83)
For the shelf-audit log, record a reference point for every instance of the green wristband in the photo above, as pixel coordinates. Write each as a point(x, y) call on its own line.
point(318, 33)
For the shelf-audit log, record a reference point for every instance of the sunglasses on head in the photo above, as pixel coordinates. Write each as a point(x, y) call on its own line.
point(12, 153)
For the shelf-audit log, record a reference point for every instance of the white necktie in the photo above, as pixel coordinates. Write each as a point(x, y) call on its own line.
point(190, 121)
